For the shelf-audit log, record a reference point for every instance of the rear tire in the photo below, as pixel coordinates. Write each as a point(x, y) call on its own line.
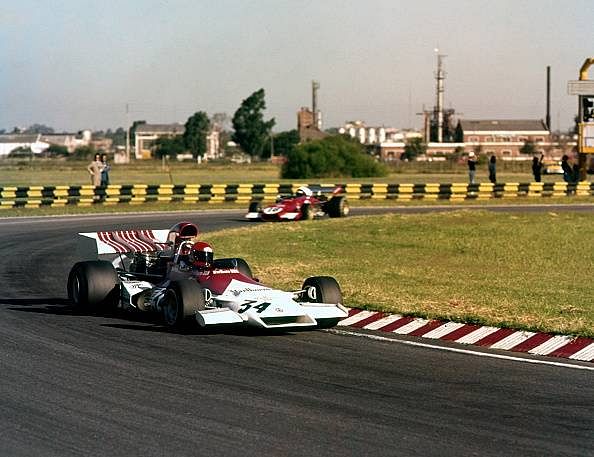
point(183, 299)
point(93, 285)
point(338, 207)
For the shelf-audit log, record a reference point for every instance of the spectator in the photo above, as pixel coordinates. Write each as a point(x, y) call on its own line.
point(567, 170)
point(537, 167)
point(492, 170)
point(94, 169)
point(105, 171)
point(575, 172)
point(471, 167)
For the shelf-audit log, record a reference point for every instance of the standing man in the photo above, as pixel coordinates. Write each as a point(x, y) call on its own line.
point(537, 167)
point(493, 169)
point(94, 169)
point(105, 171)
point(471, 167)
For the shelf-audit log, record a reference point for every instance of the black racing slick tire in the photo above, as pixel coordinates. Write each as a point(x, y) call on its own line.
point(183, 299)
point(307, 212)
point(93, 285)
point(327, 291)
point(338, 207)
point(255, 207)
point(242, 266)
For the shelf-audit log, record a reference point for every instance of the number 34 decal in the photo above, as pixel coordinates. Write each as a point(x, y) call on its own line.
point(250, 304)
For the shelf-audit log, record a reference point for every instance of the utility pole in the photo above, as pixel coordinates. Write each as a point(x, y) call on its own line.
point(127, 134)
point(439, 76)
point(548, 118)
point(314, 102)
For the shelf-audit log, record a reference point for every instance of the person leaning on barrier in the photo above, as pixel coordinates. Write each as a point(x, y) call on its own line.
point(471, 167)
point(567, 170)
point(493, 169)
point(537, 167)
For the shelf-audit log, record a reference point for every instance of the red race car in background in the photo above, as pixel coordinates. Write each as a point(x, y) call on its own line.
point(307, 203)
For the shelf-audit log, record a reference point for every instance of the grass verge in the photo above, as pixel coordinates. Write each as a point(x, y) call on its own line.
point(525, 271)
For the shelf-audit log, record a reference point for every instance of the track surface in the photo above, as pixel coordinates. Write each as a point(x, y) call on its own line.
point(90, 385)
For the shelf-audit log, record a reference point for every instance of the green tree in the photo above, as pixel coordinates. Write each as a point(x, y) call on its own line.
point(414, 147)
point(281, 143)
point(332, 157)
point(171, 146)
point(39, 128)
point(251, 130)
point(194, 137)
point(56, 150)
point(459, 134)
point(528, 148)
point(135, 124)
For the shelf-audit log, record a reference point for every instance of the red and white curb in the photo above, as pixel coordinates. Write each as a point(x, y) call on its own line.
point(576, 348)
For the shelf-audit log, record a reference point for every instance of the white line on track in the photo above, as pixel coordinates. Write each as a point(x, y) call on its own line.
point(461, 351)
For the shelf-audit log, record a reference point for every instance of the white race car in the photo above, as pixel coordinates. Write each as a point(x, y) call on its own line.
point(169, 272)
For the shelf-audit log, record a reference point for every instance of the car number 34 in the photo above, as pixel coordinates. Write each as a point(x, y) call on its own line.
point(249, 304)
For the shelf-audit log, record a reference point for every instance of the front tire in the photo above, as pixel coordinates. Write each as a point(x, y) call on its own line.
point(327, 289)
point(93, 285)
point(307, 212)
point(338, 207)
point(255, 207)
point(183, 299)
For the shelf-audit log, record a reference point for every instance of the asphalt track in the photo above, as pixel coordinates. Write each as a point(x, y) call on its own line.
point(77, 385)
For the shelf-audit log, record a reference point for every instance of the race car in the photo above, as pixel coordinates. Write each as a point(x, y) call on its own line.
point(172, 273)
point(307, 203)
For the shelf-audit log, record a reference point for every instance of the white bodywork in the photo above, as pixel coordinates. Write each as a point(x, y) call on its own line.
point(242, 302)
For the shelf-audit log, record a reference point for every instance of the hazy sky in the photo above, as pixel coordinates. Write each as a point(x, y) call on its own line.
point(74, 64)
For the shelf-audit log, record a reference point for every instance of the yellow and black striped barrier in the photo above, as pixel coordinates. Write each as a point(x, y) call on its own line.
point(133, 194)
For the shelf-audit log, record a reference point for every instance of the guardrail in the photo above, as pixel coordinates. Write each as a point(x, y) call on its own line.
point(133, 194)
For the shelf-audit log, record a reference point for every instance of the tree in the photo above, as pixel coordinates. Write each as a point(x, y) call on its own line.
point(414, 147)
point(135, 124)
point(528, 148)
point(251, 130)
point(169, 146)
point(39, 128)
point(331, 157)
point(459, 134)
point(281, 143)
point(197, 127)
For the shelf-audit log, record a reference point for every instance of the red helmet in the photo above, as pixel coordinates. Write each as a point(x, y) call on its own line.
point(201, 255)
point(182, 231)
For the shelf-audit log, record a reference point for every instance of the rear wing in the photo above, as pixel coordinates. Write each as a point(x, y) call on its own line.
point(92, 244)
point(323, 189)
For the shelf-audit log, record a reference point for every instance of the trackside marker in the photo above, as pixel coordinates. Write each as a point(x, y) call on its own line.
point(446, 328)
point(576, 348)
point(585, 354)
point(462, 351)
point(477, 335)
point(383, 322)
point(357, 317)
point(513, 340)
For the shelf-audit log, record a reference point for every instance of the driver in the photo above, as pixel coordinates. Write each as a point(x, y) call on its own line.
point(303, 191)
point(201, 256)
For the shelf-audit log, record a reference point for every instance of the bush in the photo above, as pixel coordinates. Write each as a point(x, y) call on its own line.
point(332, 157)
point(83, 153)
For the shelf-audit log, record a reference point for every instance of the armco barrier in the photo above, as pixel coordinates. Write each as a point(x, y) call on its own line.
point(132, 194)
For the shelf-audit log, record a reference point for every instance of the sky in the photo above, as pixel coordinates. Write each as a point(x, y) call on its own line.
point(84, 64)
